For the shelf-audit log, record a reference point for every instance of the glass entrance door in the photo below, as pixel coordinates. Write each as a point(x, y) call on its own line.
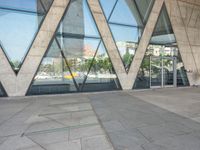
point(155, 72)
point(162, 72)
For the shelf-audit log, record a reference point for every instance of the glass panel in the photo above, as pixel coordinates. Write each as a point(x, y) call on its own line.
point(143, 77)
point(126, 26)
point(108, 6)
point(19, 21)
point(129, 15)
point(144, 8)
point(168, 71)
point(163, 39)
point(101, 76)
point(54, 50)
point(69, 59)
point(163, 33)
point(79, 54)
point(156, 71)
point(53, 75)
point(78, 20)
point(182, 79)
point(2, 91)
point(163, 44)
point(28, 5)
point(127, 41)
point(45, 3)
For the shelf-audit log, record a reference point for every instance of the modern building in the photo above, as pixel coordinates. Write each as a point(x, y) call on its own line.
point(65, 46)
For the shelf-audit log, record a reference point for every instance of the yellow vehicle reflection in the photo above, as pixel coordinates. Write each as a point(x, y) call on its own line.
point(69, 76)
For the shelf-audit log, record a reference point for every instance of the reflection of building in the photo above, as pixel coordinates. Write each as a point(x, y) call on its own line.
point(121, 29)
point(88, 52)
point(160, 50)
point(127, 46)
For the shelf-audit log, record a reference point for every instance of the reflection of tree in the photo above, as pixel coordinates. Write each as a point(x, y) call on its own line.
point(52, 68)
point(127, 59)
point(167, 62)
point(15, 64)
point(99, 65)
point(145, 64)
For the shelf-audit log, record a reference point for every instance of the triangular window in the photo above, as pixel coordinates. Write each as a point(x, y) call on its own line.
point(126, 19)
point(2, 91)
point(69, 62)
point(162, 65)
point(20, 21)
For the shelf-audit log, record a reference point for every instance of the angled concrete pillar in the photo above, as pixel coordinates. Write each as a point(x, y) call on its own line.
point(7, 75)
point(126, 80)
point(145, 39)
point(18, 85)
point(184, 20)
point(108, 41)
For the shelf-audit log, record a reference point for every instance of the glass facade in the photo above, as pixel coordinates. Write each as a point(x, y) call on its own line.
point(127, 25)
point(77, 60)
point(162, 64)
point(19, 21)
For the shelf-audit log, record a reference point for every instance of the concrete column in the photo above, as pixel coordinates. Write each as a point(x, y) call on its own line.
point(126, 80)
point(144, 42)
point(185, 21)
point(108, 41)
point(18, 85)
point(7, 75)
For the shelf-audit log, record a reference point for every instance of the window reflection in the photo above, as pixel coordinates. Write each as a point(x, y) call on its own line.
point(162, 47)
point(19, 21)
point(77, 60)
point(144, 8)
point(127, 25)
point(2, 91)
point(101, 72)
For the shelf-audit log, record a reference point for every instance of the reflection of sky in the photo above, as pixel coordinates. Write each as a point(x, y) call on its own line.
point(123, 33)
point(121, 15)
point(93, 44)
point(17, 32)
point(30, 5)
point(17, 28)
point(89, 24)
point(107, 6)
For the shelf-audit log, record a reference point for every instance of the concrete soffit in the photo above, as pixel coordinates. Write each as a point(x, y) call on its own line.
point(17, 85)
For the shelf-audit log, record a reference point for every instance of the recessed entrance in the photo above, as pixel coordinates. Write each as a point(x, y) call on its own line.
point(163, 72)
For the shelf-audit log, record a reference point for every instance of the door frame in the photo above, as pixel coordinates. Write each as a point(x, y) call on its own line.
point(174, 59)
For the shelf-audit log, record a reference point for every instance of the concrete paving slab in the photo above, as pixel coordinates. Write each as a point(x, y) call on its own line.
point(67, 145)
point(45, 138)
point(128, 139)
point(161, 119)
point(50, 123)
point(17, 142)
point(87, 131)
point(151, 119)
point(96, 143)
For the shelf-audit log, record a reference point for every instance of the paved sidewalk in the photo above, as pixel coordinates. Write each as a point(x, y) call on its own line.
point(163, 119)
point(151, 120)
point(50, 123)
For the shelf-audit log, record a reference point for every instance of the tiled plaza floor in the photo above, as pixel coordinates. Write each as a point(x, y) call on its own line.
point(50, 123)
point(162, 119)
